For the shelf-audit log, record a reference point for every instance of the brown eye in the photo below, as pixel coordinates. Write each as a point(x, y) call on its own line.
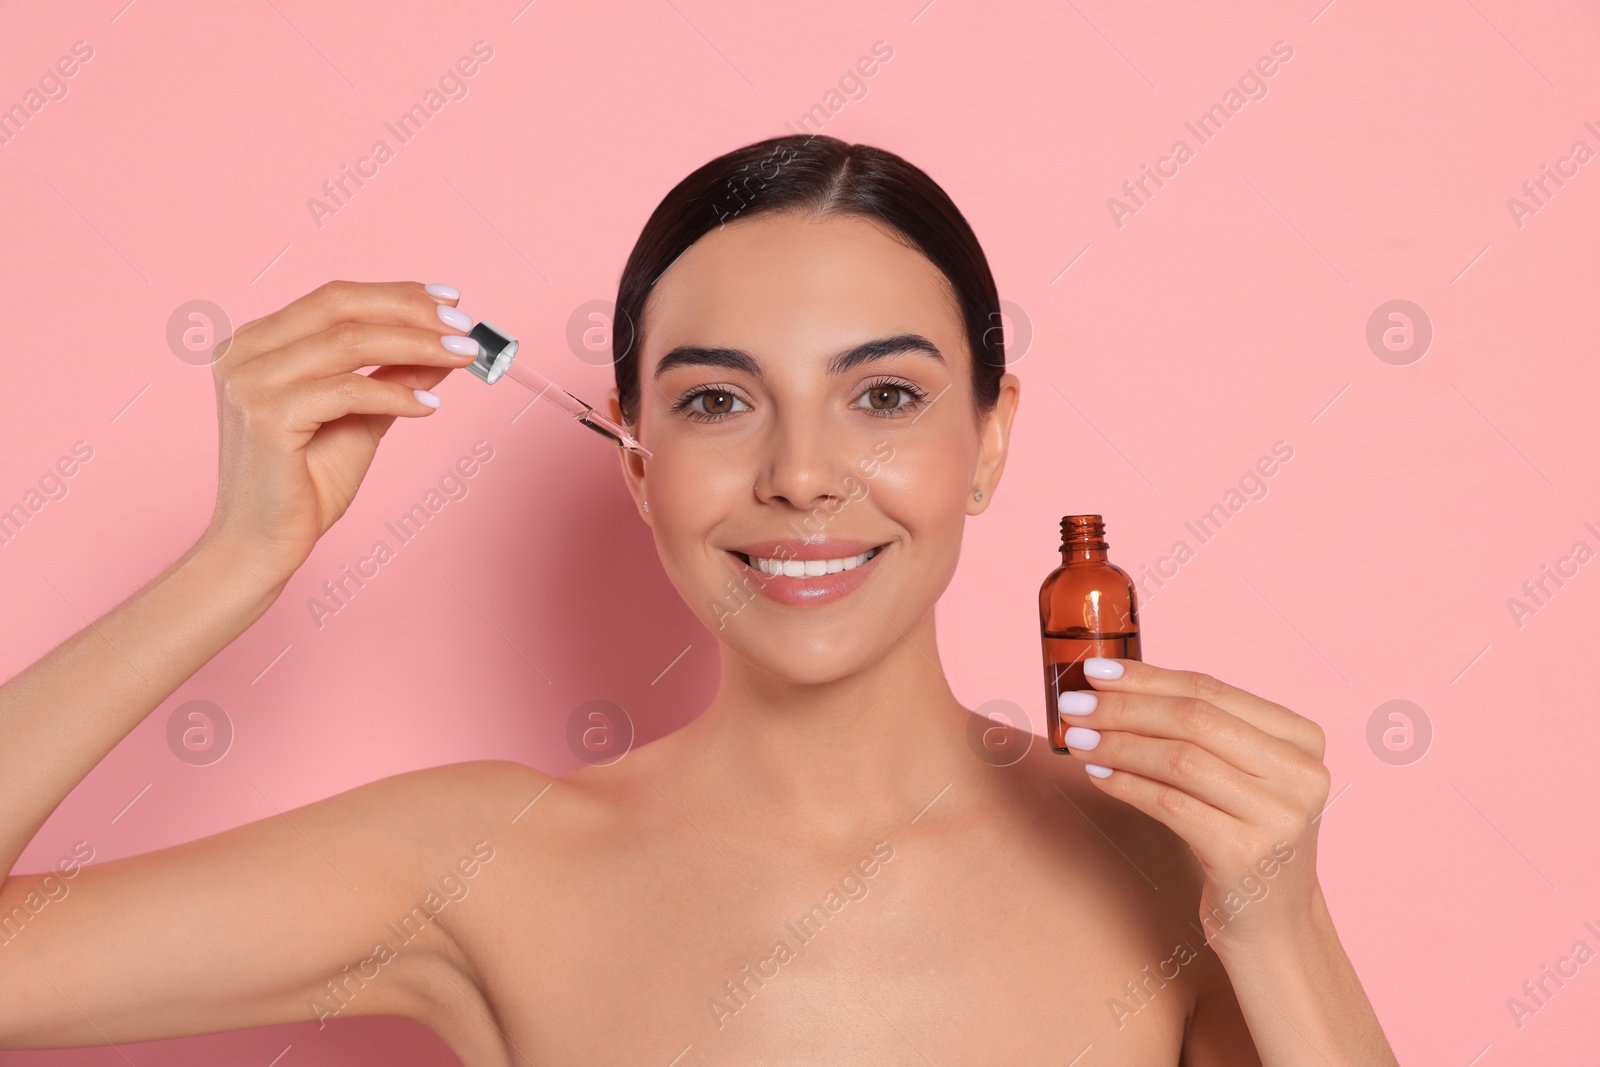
point(708, 404)
point(891, 399)
point(886, 393)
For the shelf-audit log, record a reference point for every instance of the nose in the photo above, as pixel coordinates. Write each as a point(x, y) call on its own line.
point(805, 464)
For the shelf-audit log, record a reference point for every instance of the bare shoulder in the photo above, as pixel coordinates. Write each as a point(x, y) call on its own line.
point(1163, 863)
point(540, 826)
point(440, 806)
point(1150, 851)
point(1141, 878)
point(479, 780)
point(532, 820)
point(482, 786)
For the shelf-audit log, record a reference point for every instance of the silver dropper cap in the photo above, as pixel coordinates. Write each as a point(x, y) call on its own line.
point(495, 352)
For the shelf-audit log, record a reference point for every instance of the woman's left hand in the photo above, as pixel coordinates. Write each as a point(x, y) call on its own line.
point(1239, 778)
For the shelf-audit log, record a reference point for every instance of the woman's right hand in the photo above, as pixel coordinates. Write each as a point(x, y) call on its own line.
point(298, 424)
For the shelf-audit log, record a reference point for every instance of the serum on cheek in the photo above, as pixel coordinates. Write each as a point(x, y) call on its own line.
point(1087, 607)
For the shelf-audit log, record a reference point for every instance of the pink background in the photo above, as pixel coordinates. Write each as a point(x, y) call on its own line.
point(1228, 313)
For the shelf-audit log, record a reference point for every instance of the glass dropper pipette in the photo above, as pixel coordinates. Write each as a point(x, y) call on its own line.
point(496, 359)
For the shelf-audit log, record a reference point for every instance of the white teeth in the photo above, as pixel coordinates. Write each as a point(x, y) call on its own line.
point(811, 568)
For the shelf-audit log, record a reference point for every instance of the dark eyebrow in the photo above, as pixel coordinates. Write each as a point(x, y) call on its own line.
point(738, 359)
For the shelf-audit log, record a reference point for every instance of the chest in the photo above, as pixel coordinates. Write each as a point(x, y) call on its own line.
point(899, 954)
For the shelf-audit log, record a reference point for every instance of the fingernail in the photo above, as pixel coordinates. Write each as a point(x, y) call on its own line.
point(1094, 666)
point(461, 346)
point(1076, 702)
point(1097, 770)
point(456, 320)
point(1082, 737)
point(443, 291)
point(427, 398)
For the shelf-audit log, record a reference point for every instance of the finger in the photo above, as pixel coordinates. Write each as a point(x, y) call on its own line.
point(410, 378)
point(1196, 721)
point(309, 405)
point(1181, 764)
point(1274, 719)
point(386, 303)
point(1197, 822)
point(348, 346)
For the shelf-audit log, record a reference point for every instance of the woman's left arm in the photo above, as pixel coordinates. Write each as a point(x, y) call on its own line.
point(1242, 781)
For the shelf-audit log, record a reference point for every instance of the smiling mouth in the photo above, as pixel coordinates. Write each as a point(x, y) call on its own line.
point(811, 568)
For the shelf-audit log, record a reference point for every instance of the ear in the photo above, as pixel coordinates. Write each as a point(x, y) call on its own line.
point(994, 441)
point(632, 463)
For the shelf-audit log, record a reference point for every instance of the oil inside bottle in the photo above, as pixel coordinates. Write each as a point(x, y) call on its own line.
point(1064, 653)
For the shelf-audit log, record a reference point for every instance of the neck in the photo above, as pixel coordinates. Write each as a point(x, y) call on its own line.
point(840, 757)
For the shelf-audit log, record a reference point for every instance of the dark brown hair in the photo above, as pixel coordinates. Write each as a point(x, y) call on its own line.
point(825, 176)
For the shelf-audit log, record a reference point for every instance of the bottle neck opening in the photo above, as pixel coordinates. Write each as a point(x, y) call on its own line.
point(1083, 537)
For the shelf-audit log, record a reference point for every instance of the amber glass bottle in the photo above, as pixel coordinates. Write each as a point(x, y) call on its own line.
point(1087, 607)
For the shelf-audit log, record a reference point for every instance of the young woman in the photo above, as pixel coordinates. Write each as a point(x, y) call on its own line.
point(822, 867)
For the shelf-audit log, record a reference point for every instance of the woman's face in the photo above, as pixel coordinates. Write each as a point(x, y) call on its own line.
point(764, 446)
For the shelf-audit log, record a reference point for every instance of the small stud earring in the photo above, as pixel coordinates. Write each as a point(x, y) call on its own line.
point(977, 494)
point(647, 505)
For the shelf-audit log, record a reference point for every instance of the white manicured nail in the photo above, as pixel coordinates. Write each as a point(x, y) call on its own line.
point(1076, 702)
point(1081, 737)
point(1100, 667)
point(456, 320)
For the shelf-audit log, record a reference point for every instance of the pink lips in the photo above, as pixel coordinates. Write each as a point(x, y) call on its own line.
point(807, 592)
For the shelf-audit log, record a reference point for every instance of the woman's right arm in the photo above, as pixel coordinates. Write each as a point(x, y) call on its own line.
point(61, 715)
point(244, 927)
